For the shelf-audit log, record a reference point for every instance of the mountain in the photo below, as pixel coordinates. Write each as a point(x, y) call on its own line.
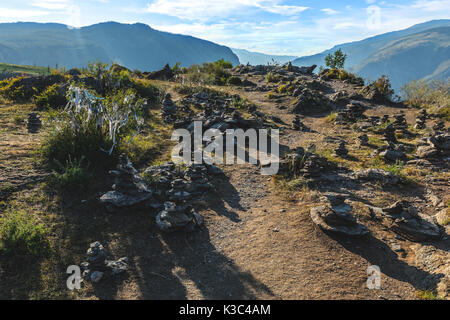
point(256, 58)
point(136, 46)
point(420, 51)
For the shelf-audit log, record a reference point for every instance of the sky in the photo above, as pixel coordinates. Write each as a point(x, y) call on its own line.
point(291, 27)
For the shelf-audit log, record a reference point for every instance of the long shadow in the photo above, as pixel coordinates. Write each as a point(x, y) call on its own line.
point(214, 275)
point(380, 254)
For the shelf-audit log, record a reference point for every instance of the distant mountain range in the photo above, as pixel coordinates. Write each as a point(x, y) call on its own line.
point(419, 52)
point(136, 46)
point(256, 58)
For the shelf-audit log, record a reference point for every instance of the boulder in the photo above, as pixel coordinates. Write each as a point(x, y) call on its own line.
point(403, 219)
point(378, 175)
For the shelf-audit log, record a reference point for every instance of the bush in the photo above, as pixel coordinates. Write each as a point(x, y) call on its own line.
point(434, 95)
point(50, 99)
point(209, 73)
point(22, 233)
point(383, 85)
point(272, 77)
point(146, 90)
point(62, 145)
point(72, 174)
point(13, 89)
point(336, 60)
point(341, 74)
point(285, 88)
point(91, 128)
point(235, 81)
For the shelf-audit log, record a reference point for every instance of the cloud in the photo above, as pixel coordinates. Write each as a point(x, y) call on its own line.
point(329, 11)
point(203, 10)
point(51, 4)
point(20, 14)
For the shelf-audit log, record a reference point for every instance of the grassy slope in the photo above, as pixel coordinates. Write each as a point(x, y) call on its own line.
point(31, 70)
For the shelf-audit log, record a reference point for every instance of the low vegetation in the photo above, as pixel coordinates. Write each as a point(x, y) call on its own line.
point(22, 233)
point(433, 96)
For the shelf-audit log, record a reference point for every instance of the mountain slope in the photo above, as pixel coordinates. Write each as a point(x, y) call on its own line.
point(369, 55)
point(256, 58)
point(135, 46)
point(421, 55)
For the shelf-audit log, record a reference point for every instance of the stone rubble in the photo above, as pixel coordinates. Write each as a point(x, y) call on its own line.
point(97, 266)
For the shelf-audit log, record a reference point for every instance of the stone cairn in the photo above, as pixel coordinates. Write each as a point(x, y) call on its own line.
point(363, 140)
point(389, 134)
point(439, 126)
point(97, 265)
point(336, 216)
point(34, 123)
point(352, 113)
point(129, 188)
point(298, 125)
point(375, 120)
point(421, 119)
point(341, 150)
point(178, 189)
point(169, 109)
point(400, 122)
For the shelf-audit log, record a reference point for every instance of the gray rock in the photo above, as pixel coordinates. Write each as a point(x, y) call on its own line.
point(175, 218)
point(337, 219)
point(393, 155)
point(379, 175)
point(96, 276)
point(427, 152)
point(117, 267)
point(129, 188)
point(403, 218)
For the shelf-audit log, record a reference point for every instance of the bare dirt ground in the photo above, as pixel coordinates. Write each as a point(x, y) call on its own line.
point(258, 241)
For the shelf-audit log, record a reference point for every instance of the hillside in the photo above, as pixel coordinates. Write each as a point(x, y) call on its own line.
point(421, 55)
point(377, 48)
point(362, 182)
point(12, 69)
point(136, 46)
point(256, 58)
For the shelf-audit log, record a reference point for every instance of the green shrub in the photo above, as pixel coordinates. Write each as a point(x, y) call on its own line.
point(91, 128)
point(22, 233)
point(272, 77)
point(62, 145)
point(383, 85)
point(215, 73)
point(235, 81)
point(72, 174)
point(341, 74)
point(147, 90)
point(433, 95)
point(335, 60)
point(285, 88)
point(50, 99)
point(13, 90)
